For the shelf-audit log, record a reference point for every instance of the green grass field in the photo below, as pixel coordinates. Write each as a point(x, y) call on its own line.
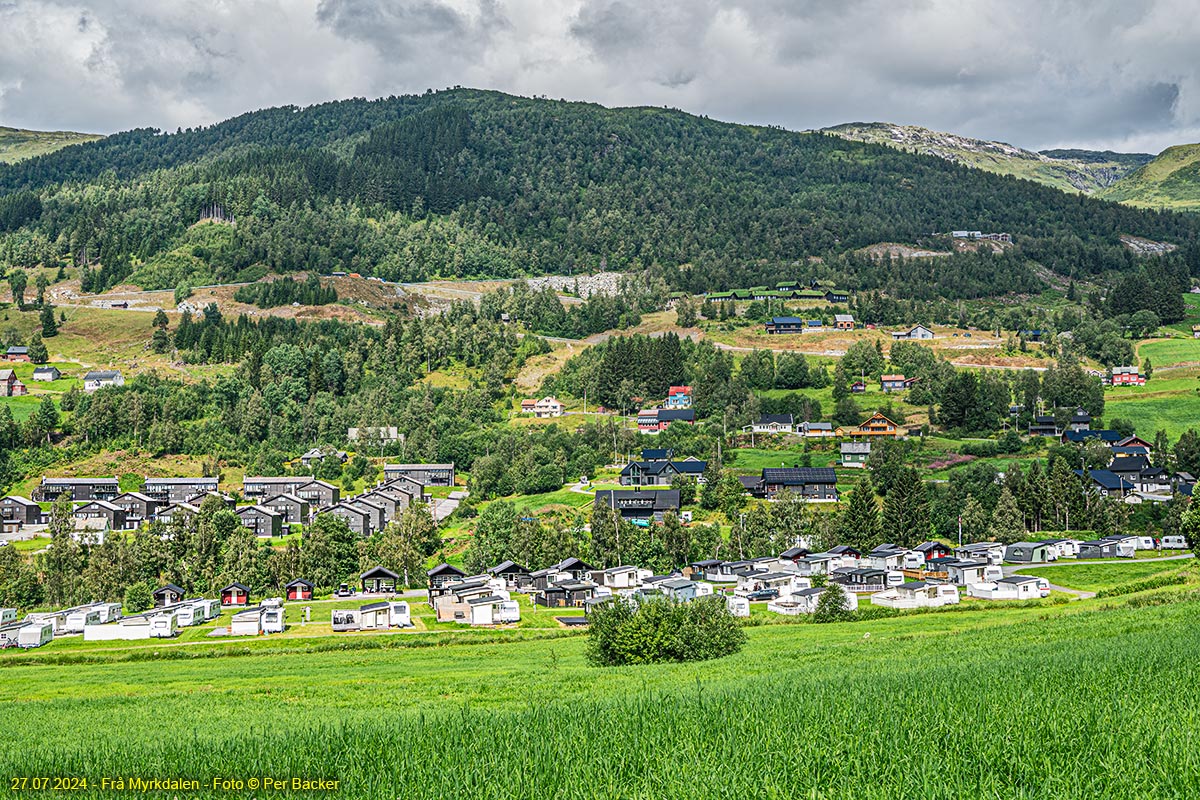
point(844, 710)
point(1094, 577)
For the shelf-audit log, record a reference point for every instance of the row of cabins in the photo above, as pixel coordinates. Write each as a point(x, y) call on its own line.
point(277, 502)
point(785, 290)
point(875, 426)
point(791, 325)
point(786, 423)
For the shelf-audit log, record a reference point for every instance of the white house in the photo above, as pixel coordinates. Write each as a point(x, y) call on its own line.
point(99, 378)
point(626, 577)
point(917, 594)
point(786, 583)
point(773, 423)
point(918, 332)
point(547, 407)
point(991, 552)
point(886, 559)
point(963, 573)
point(1015, 587)
point(805, 601)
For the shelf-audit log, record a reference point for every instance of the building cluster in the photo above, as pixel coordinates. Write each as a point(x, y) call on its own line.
point(816, 292)
point(1130, 473)
point(273, 504)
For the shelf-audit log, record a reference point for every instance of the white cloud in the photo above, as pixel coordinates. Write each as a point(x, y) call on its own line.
point(1102, 73)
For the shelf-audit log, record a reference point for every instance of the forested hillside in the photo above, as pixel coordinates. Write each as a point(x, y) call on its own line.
point(471, 183)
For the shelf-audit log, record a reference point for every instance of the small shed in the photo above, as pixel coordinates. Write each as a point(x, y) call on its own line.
point(235, 595)
point(299, 589)
point(167, 595)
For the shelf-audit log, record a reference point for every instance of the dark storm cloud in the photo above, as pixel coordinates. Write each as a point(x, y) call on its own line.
point(1037, 73)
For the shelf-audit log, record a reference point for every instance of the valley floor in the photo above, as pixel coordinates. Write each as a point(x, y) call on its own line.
point(1051, 700)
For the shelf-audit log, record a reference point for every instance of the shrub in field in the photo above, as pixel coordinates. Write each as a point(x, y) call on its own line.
point(832, 606)
point(660, 630)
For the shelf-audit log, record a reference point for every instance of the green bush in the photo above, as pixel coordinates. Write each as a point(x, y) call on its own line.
point(662, 630)
point(832, 606)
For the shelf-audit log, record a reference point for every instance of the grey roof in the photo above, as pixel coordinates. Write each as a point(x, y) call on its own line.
point(102, 375)
point(677, 583)
point(1018, 579)
point(488, 599)
point(856, 447)
point(798, 476)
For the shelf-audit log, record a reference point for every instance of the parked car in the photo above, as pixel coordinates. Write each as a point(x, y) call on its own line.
point(344, 591)
point(763, 594)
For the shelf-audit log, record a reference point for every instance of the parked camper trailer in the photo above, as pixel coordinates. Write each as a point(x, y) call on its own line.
point(993, 573)
point(273, 620)
point(35, 634)
point(189, 614)
point(79, 618)
point(212, 608)
point(738, 606)
point(508, 612)
point(401, 617)
point(7, 615)
point(109, 612)
point(1174, 543)
point(163, 626)
point(895, 577)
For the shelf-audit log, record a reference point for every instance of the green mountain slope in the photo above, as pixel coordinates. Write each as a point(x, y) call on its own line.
point(18, 145)
point(481, 184)
point(1070, 170)
point(1172, 180)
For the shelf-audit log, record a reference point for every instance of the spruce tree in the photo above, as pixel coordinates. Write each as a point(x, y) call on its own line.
point(49, 325)
point(859, 523)
point(1008, 524)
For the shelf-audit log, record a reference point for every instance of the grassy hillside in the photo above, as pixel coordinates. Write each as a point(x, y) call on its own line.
point(18, 145)
point(501, 718)
point(1072, 171)
point(1171, 180)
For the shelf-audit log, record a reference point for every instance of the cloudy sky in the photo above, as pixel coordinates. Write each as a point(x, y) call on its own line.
point(1120, 74)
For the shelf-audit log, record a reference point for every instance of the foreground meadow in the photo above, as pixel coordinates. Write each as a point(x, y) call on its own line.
point(1085, 699)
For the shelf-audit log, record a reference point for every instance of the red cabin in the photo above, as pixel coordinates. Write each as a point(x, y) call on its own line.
point(299, 589)
point(235, 594)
